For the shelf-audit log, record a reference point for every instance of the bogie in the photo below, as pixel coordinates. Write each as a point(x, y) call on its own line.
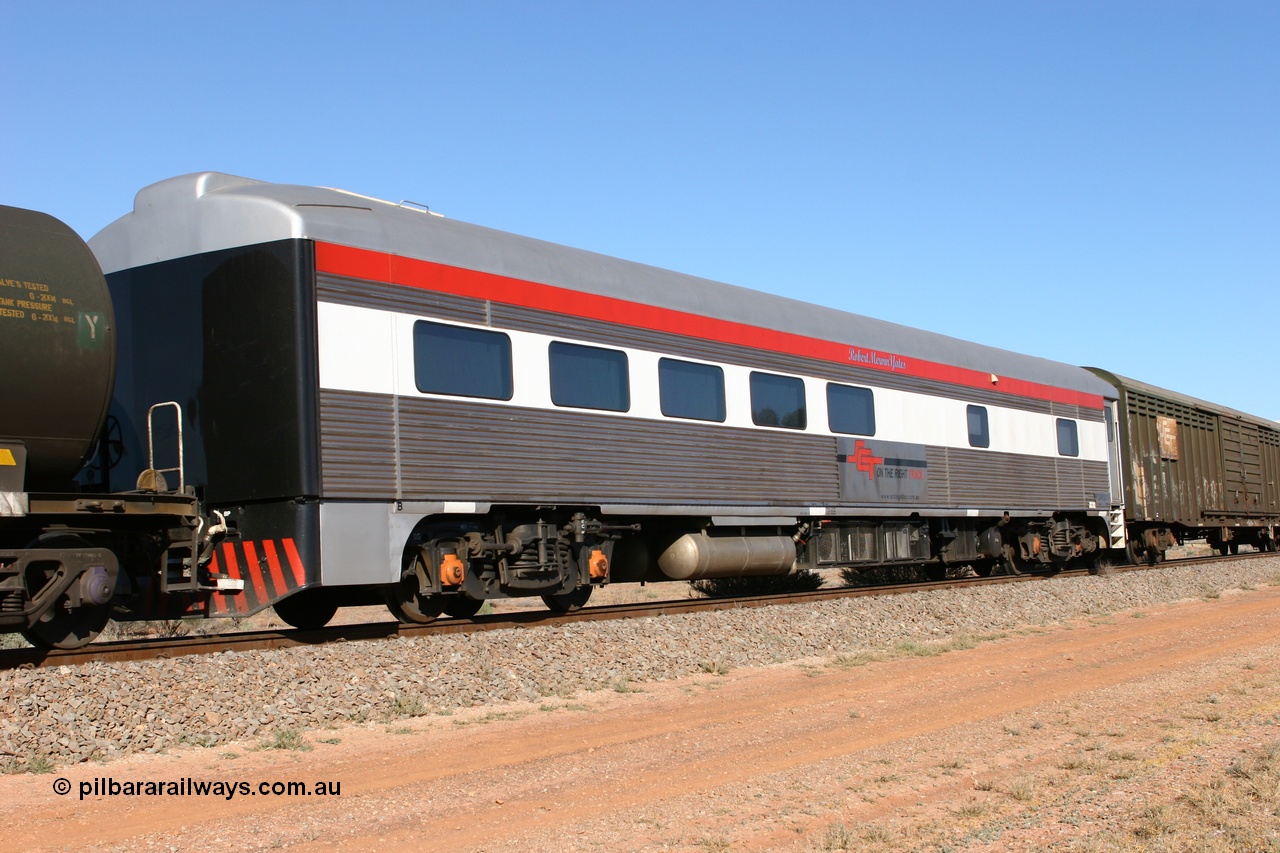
point(454, 567)
point(72, 583)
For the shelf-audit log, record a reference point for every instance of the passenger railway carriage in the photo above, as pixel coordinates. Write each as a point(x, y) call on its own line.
point(382, 402)
point(319, 399)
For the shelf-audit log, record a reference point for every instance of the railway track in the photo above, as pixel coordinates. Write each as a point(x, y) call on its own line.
point(152, 648)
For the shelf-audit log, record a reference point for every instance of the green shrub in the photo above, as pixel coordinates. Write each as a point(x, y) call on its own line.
point(801, 581)
point(881, 575)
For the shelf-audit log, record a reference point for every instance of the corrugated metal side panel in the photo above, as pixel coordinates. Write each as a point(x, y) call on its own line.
point(472, 451)
point(976, 478)
point(939, 491)
point(357, 445)
point(394, 297)
point(1241, 466)
point(455, 450)
point(1065, 410)
point(368, 294)
point(1172, 490)
point(1270, 440)
point(496, 453)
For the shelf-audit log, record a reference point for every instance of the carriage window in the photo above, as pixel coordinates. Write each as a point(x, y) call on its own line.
point(690, 390)
point(777, 401)
point(1068, 438)
point(851, 410)
point(589, 377)
point(461, 361)
point(979, 433)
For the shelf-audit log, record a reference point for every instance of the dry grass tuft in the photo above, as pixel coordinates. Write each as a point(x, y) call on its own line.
point(1237, 811)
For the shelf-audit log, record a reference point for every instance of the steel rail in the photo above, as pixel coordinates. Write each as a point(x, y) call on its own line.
point(152, 648)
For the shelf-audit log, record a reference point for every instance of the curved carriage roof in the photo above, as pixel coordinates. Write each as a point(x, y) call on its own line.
point(1127, 384)
point(209, 211)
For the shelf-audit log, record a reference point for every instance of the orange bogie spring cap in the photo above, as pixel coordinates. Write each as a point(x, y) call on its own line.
point(451, 570)
point(599, 564)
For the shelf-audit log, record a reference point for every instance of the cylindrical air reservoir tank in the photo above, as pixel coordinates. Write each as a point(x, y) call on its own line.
point(697, 555)
point(57, 346)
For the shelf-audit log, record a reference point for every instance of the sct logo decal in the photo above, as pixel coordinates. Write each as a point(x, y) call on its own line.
point(875, 471)
point(864, 460)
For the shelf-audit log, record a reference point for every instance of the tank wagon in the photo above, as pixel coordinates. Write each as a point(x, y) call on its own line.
point(385, 403)
point(67, 555)
point(1193, 470)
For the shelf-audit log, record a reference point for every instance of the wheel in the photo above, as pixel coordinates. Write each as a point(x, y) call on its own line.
point(1012, 560)
point(461, 607)
point(308, 610)
point(935, 572)
point(1234, 546)
point(59, 627)
point(1138, 554)
point(983, 568)
point(567, 602)
point(68, 630)
point(1223, 549)
point(407, 605)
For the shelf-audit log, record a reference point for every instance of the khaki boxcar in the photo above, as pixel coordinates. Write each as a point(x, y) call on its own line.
point(1194, 470)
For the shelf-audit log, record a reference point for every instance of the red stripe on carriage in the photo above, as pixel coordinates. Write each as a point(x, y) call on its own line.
point(273, 563)
point(295, 562)
point(441, 278)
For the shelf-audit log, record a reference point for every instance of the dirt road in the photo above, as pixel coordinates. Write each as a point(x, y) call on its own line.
point(1105, 734)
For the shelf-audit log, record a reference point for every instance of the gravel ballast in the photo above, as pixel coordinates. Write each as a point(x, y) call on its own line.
point(68, 714)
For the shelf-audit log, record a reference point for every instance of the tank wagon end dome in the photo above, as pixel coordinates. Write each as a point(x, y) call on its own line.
point(57, 344)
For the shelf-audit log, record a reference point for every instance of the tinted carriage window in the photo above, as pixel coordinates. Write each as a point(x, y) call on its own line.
point(979, 433)
point(690, 390)
point(461, 361)
point(851, 410)
point(1068, 438)
point(589, 377)
point(777, 401)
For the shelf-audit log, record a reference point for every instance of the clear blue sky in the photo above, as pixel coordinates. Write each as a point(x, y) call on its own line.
point(1093, 182)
